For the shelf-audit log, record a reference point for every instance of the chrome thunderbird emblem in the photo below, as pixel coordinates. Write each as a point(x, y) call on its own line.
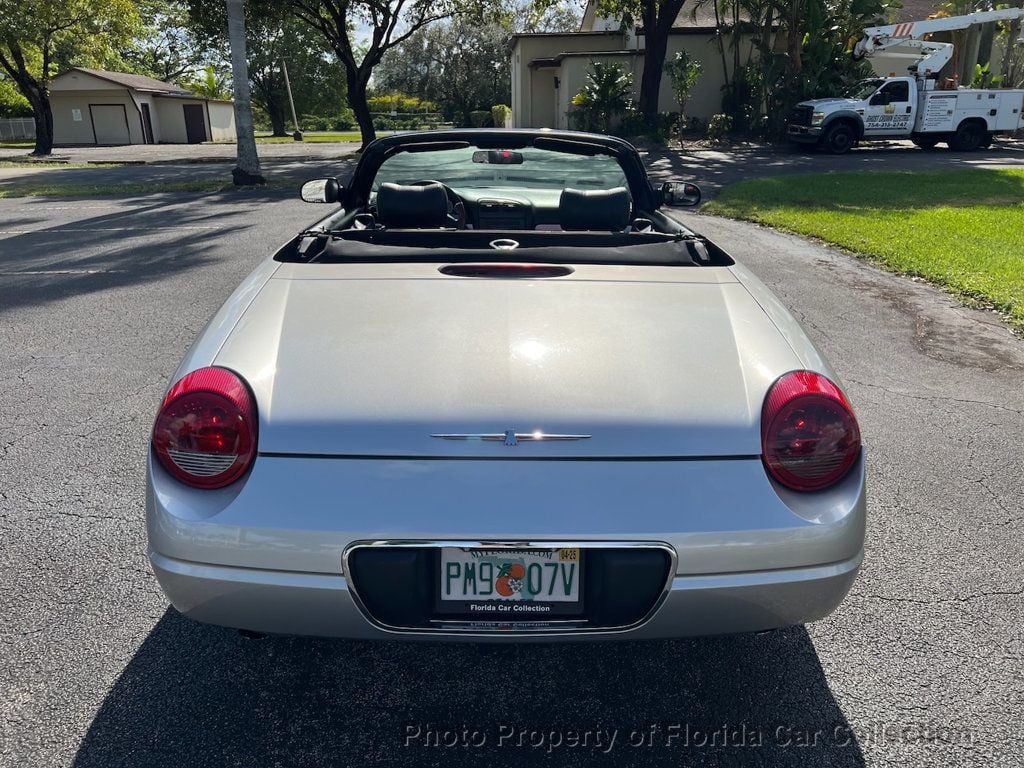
point(511, 437)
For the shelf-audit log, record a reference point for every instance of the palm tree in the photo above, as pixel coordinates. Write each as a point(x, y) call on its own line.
point(247, 168)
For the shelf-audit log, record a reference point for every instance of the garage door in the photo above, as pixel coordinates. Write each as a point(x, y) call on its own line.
point(110, 122)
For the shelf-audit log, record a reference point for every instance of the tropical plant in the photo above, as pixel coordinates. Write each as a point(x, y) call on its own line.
point(684, 73)
point(605, 95)
point(984, 78)
point(212, 84)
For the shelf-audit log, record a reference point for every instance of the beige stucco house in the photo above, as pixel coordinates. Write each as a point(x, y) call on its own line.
point(549, 69)
point(91, 106)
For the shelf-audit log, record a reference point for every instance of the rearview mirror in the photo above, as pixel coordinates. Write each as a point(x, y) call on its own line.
point(679, 193)
point(498, 157)
point(321, 191)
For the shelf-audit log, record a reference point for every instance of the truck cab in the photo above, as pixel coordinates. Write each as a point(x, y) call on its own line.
point(876, 108)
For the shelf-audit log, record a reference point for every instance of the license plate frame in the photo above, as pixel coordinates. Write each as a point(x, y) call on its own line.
point(512, 609)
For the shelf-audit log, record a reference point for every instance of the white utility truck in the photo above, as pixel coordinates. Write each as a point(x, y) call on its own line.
point(914, 107)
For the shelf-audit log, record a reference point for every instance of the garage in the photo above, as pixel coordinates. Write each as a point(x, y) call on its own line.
point(110, 123)
point(100, 108)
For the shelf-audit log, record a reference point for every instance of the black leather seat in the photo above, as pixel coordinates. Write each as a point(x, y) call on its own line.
point(605, 210)
point(413, 207)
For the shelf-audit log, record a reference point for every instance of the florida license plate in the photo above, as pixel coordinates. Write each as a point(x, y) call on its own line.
point(510, 584)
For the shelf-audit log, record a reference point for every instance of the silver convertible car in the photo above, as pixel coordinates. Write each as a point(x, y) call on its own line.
point(498, 394)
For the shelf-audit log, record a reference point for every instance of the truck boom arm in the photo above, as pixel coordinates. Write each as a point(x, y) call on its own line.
point(910, 33)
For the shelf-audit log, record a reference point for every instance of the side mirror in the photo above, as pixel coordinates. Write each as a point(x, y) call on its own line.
point(321, 191)
point(682, 194)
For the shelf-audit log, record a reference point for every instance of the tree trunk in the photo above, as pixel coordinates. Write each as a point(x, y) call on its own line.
point(795, 37)
point(658, 18)
point(247, 168)
point(277, 118)
point(35, 92)
point(357, 100)
point(43, 115)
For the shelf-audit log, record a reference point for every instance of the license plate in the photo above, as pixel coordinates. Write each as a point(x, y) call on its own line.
point(515, 584)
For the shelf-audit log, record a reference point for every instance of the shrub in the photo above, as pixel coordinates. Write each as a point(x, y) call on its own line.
point(399, 102)
point(634, 126)
point(719, 127)
point(500, 114)
point(345, 120)
point(316, 123)
point(480, 118)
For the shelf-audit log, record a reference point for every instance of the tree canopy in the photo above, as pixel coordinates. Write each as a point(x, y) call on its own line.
point(390, 23)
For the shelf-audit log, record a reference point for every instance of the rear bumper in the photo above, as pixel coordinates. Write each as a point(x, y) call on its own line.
point(269, 553)
point(323, 604)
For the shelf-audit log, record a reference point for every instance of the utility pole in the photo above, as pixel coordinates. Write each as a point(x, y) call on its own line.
point(288, 86)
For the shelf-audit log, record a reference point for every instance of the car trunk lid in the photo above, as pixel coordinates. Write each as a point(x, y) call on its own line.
point(401, 360)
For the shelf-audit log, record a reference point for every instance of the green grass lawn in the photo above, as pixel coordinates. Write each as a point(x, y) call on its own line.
point(961, 229)
point(33, 163)
point(18, 143)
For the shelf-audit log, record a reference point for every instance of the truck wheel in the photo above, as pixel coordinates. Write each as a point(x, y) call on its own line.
point(968, 137)
point(928, 143)
point(986, 140)
point(839, 139)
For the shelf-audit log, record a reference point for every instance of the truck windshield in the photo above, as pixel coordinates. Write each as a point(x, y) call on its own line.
point(863, 89)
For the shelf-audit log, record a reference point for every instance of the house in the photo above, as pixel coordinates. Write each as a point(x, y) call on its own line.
point(548, 69)
point(91, 106)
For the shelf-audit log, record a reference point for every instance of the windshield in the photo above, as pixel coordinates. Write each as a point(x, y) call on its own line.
point(863, 89)
point(534, 169)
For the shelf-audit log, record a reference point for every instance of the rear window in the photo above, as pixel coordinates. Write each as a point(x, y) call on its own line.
point(539, 169)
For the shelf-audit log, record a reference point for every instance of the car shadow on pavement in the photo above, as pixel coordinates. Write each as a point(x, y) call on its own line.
point(197, 695)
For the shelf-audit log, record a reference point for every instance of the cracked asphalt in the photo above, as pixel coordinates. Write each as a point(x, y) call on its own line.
point(921, 666)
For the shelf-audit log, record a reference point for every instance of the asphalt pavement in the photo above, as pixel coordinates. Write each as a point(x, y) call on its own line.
point(921, 666)
point(711, 168)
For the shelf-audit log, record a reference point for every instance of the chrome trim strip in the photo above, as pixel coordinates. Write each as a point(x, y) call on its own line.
point(530, 544)
point(511, 437)
point(496, 457)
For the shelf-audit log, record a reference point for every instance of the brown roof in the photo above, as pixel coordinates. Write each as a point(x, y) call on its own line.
point(135, 82)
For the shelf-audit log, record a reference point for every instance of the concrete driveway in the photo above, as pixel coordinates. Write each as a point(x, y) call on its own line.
point(920, 666)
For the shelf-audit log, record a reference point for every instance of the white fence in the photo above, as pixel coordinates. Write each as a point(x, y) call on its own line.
point(17, 128)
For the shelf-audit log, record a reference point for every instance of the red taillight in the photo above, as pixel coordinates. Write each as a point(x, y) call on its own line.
point(809, 435)
point(205, 432)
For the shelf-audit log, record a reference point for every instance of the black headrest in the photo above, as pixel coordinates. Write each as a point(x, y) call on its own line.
point(413, 207)
point(596, 209)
